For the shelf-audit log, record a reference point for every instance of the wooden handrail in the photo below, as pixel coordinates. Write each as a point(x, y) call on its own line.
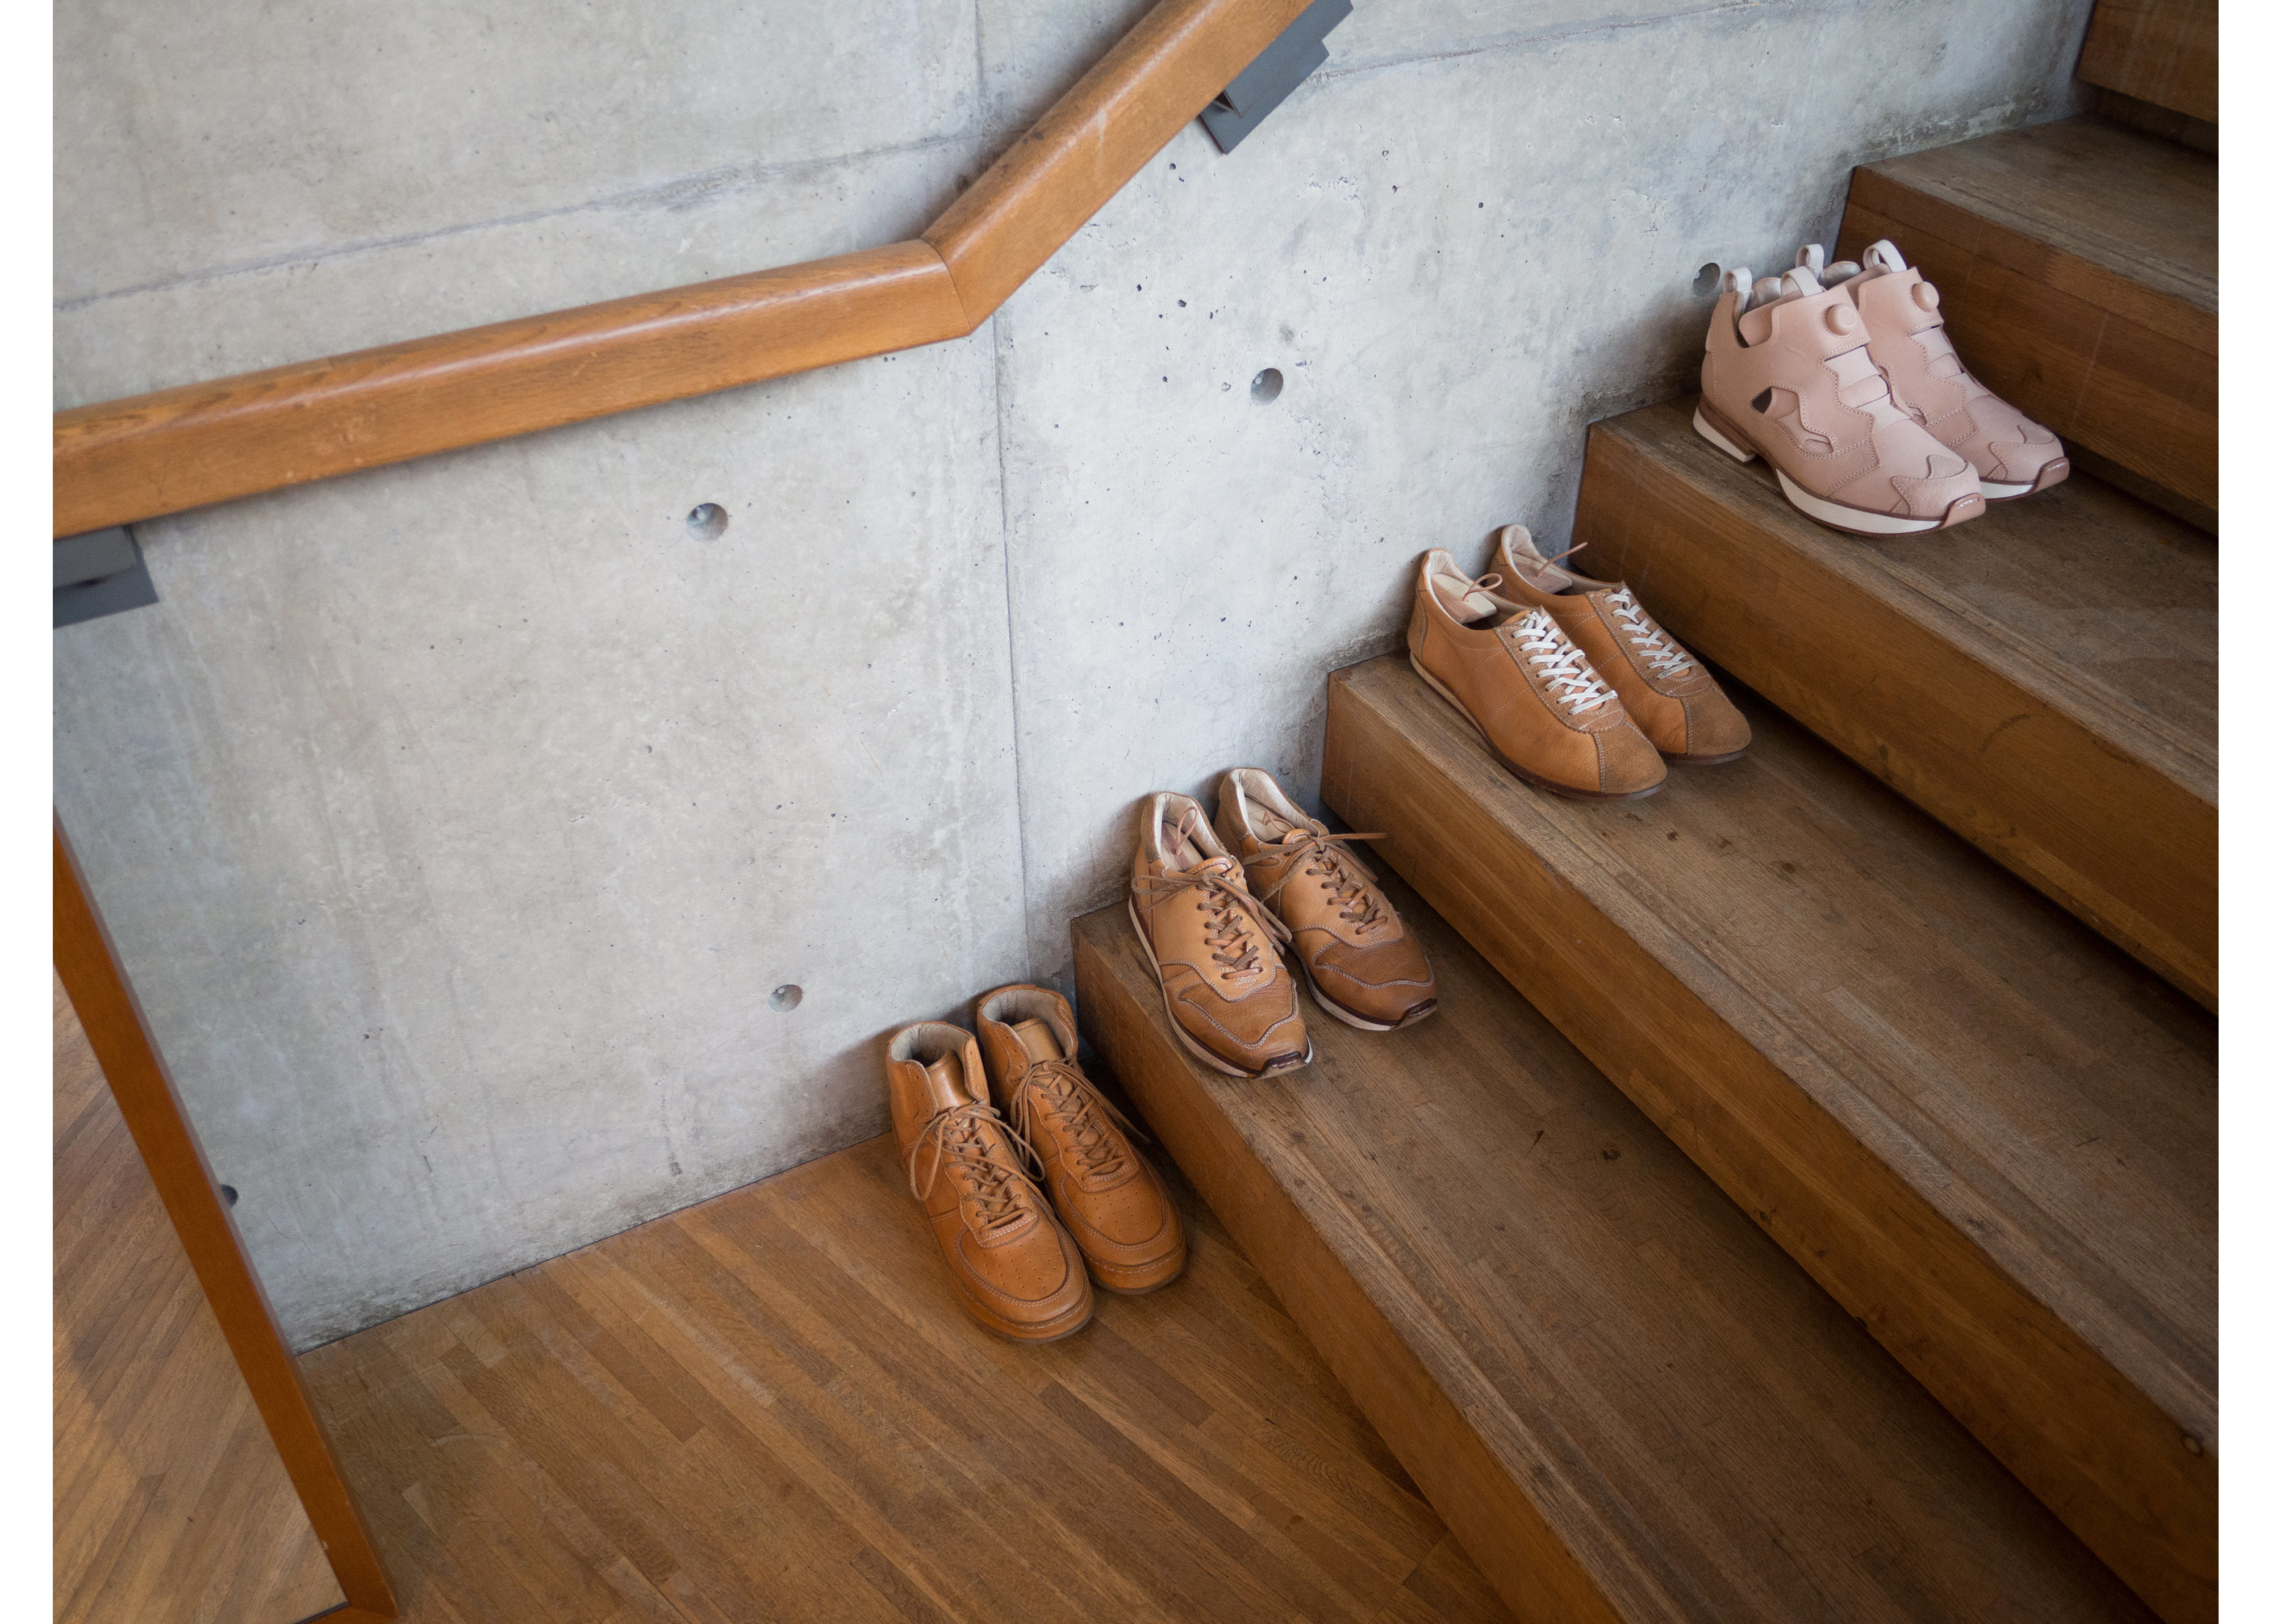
point(122, 460)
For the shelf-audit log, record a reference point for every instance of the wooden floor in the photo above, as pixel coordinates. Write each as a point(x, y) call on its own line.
point(171, 1504)
point(768, 1407)
point(1991, 1134)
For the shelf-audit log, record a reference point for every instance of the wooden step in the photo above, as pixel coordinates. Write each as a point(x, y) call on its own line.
point(2077, 268)
point(2162, 51)
point(1990, 1135)
point(1618, 1393)
point(2042, 679)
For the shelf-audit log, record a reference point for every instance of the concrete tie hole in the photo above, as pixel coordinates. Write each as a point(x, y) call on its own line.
point(229, 1194)
point(1708, 279)
point(706, 522)
point(1268, 385)
point(787, 996)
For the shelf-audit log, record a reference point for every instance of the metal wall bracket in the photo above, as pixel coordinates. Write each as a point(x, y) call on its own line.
point(1271, 77)
point(99, 573)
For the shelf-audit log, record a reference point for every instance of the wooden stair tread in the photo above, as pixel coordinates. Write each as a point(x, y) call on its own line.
point(1626, 1402)
point(2043, 679)
point(1983, 1130)
point(2139, 209)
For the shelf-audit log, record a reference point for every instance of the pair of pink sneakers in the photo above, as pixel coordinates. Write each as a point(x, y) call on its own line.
point(1844, 378)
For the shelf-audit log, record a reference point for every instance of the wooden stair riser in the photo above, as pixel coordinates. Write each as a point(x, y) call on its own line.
point(1495, 1521)
point(2123, 844)
point(1720, 1081)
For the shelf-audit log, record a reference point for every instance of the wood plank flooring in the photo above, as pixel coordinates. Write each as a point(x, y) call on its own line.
point(171, 1503)
point(769, 1407)
point(2077, 263)
point(1987, 1132)
point(1627, 1402)
point(2042, 680)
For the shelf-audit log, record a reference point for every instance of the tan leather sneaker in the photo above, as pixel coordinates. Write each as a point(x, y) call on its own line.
point(1007, 1257)
point(1520, 681)
point(1112, 1201)
point(1792, 379)
point(1214, 946)
point(1364, 968)
point(2013, 455)
point(1671, 698)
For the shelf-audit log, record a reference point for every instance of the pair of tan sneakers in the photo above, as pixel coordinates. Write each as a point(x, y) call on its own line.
point(1019, 1252)
point(1844, 378)
point(1212, 911)
point(1569, 680)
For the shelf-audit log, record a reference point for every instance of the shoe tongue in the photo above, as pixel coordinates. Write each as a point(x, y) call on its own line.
point(1036, 1038)
point(945, 1080)
point(1797, 283)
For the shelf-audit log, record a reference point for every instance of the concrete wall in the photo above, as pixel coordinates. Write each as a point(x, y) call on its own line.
point(457, 820)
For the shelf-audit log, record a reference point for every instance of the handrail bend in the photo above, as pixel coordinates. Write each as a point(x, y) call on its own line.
point(119, 461)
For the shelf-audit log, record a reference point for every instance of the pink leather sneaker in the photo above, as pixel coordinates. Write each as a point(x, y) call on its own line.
point(1900, 313)
point(1791, 379)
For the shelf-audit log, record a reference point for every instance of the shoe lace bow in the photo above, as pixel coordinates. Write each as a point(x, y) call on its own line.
point(1229, 911)
point(1349, 882)
point(1645, 637)
point(1560, 664)
point(1000, 1192)
point(1075, 1103)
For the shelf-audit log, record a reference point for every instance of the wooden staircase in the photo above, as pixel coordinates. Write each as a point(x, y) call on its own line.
point(1924, 986)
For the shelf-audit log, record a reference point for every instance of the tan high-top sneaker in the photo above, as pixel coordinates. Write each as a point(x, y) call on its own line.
point(1364, 968)
point(1527, 688)
point(1007, 1257)
point(2013, 455)
point(1670, 697)
point(1793, 380)
point(1112, 1202)
point(1214, 946)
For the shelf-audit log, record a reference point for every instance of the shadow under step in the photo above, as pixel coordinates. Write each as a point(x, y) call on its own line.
point(1623, 1399)
point(1988, 1134)
point(2042, 679)
point(2077, 268)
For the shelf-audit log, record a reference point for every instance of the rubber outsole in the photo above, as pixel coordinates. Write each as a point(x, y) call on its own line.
point(1836, 514)
point(1309, 1049)
point(1567, 792)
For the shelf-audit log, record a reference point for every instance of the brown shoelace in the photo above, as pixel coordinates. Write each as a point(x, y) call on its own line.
point(1001, 1194)
point(1076, 1102)
point(1349, 882)
point(1228, 906)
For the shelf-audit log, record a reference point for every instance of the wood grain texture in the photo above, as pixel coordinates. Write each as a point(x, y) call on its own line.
point(2042, 679)
point(770, 1406)
point(2162, 51)
point(205, 443)
point(120, 461)
point(1990, 1136)
point(1623, 1398)
point(88, 969)
point(171, 1504)
point(1099, 134)
point(2077, 267)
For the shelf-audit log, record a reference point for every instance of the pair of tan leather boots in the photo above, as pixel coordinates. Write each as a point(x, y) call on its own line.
point(1571, 683)
point(1020, 1256)
point(1212, 910)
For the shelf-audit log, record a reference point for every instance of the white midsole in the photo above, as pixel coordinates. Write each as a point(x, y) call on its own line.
point(1851, 518)
point(1719, 439)
point(1996, 490)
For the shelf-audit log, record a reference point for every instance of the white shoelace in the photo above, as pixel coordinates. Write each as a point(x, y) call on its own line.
point(1560, 663)
point(1665, 657)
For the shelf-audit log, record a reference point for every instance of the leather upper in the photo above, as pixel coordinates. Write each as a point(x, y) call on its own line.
point(1357, 951)
point(1112, 1201)
point(1669, 694)
point(1216, 948)
point(1011, 1263)
point(1499, 660)
point(1796, 380)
